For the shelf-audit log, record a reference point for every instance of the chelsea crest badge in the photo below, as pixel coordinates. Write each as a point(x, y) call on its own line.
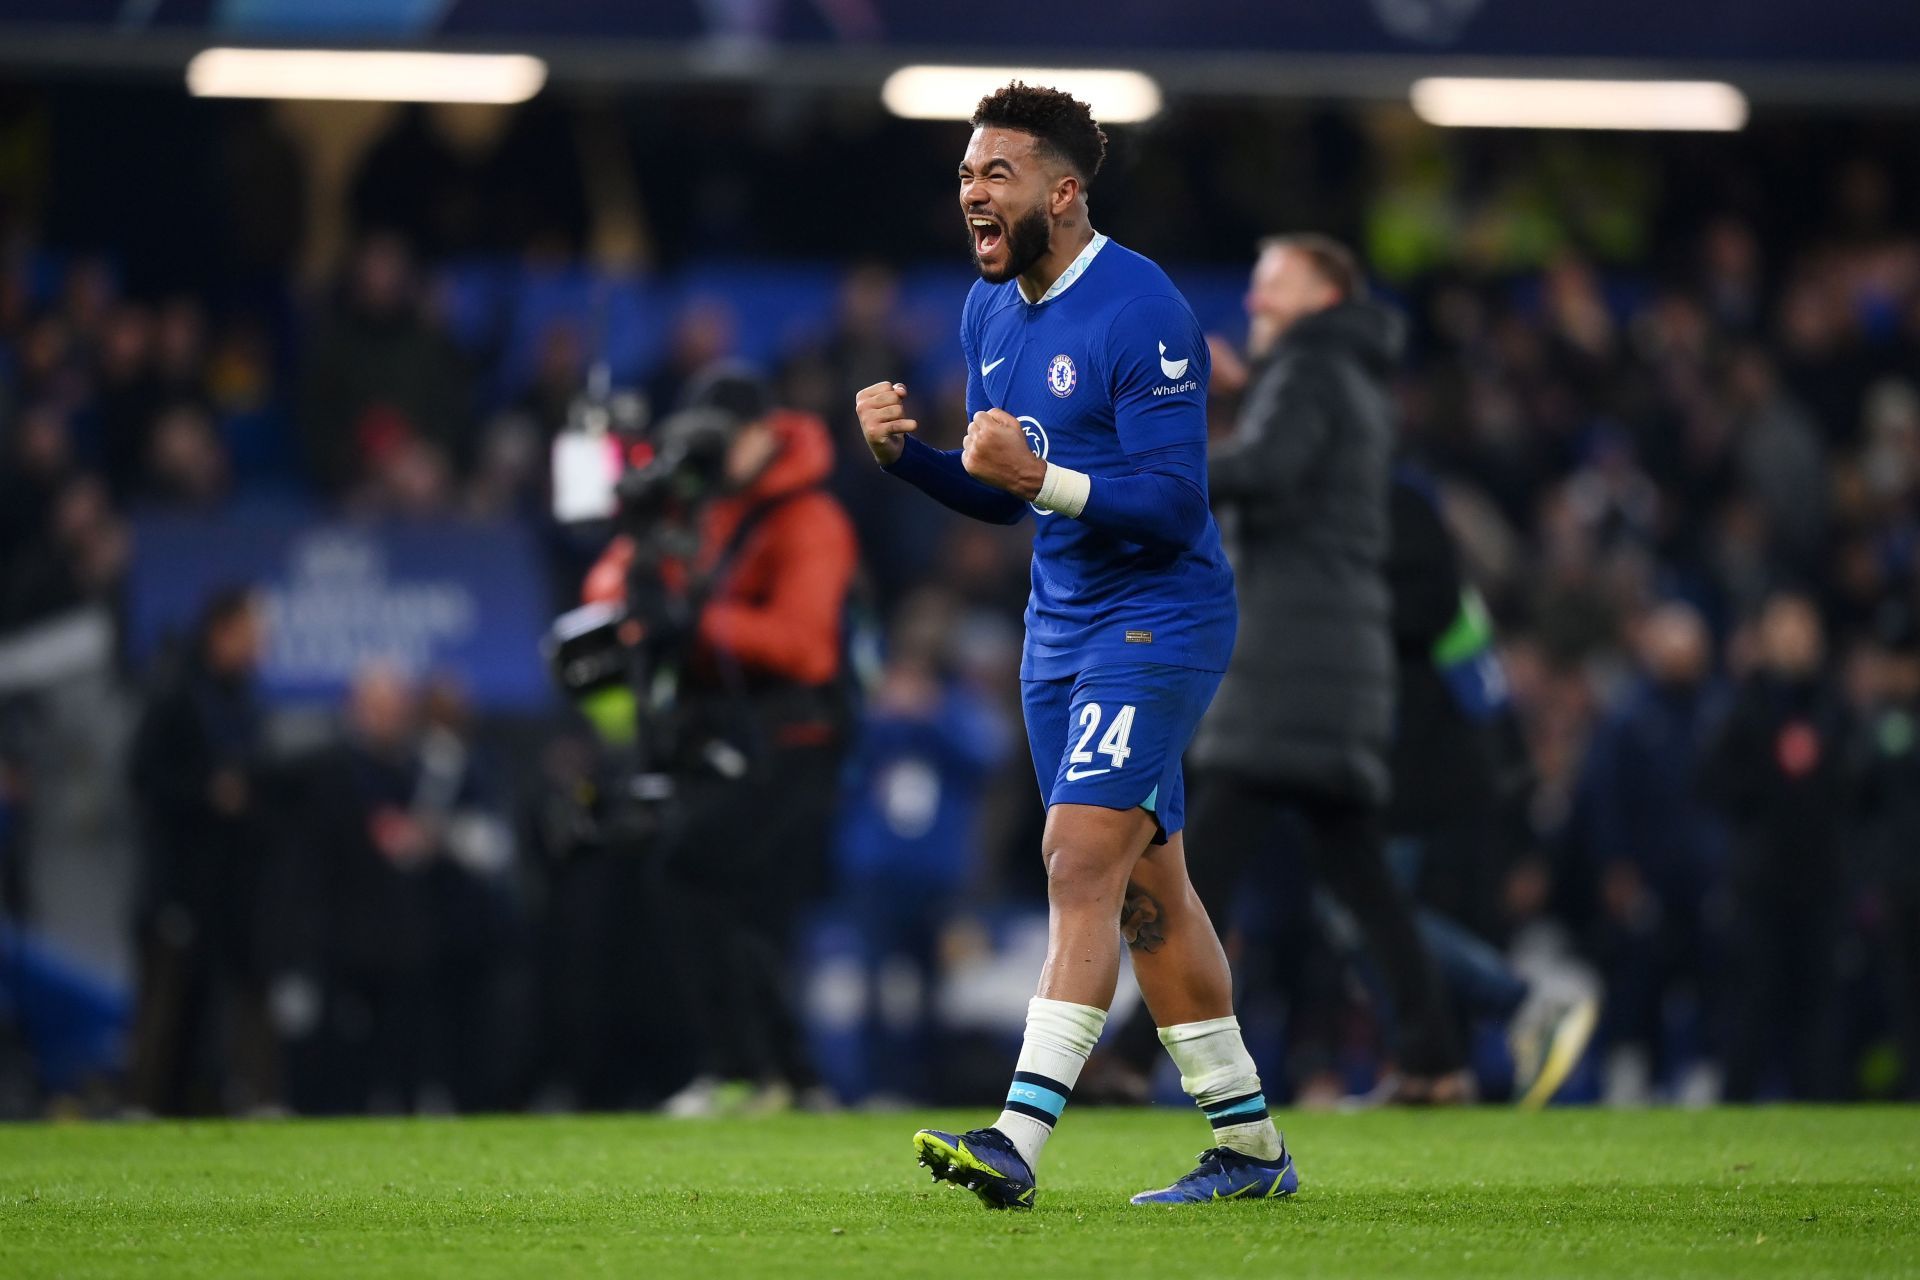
point(1061, 376)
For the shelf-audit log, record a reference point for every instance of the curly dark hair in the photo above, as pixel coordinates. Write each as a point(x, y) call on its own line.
point(1059, 121)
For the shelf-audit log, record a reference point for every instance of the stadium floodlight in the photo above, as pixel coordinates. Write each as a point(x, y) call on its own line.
point(1117, 96)
point(1490, 103)
point(365, 76)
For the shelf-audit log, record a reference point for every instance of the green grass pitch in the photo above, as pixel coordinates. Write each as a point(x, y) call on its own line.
point(1791, 1191)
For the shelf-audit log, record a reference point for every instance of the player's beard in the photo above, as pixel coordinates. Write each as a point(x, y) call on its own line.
point(1028, 240)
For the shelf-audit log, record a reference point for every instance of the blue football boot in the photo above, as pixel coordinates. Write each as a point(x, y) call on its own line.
point(1225, 1174)
point(982, 1161)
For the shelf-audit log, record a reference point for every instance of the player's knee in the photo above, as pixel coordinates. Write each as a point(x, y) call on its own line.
point(1081, 878)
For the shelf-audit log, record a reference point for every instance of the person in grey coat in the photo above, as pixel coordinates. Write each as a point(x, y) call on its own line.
point(1305, 715)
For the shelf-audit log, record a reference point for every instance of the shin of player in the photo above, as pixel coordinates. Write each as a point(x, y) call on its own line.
point(1101, 869)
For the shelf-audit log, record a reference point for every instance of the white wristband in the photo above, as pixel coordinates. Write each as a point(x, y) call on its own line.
point(1064, 491)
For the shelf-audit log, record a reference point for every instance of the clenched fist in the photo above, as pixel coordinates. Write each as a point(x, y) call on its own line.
point(883, 420)
point(996, 452)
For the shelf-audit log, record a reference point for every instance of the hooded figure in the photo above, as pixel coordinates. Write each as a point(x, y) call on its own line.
point(1304, 717)
point(1301, 490)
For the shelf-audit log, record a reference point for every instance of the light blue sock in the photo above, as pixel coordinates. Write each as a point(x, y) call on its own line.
point(1059, 1037)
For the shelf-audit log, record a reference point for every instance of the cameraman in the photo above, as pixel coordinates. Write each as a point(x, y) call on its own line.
point(762, 719)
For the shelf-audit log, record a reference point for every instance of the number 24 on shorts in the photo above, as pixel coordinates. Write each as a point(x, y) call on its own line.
point(1113, 743)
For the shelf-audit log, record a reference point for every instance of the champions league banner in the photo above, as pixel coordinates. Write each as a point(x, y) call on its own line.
point(464, 599)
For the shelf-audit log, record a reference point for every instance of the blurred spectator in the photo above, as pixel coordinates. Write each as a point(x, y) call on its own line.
point(127, 396)
point(187, 465)
point(389, 980)
point(865, 346)
point(87, 295)
point(1780, 458)
point(202, 1042)
point(1821, 358)
point(180, 351)
point(559, 375)
point(91, 540)
point(414, 480)
point(61, 543)
point(1655, 852)
point(380, 378)
point(1460, 780)
point(1732, 279)
point(909, 837)
point(354, 992)
point(866, 338)
point(40, 467)
point(511, 470)
point(510, 476)
point(477, 1024)
point(1779, 774)
point(1582, 338)
point(1459, 771)
point(704, 331)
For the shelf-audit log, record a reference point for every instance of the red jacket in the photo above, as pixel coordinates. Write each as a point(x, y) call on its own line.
point(778, 609)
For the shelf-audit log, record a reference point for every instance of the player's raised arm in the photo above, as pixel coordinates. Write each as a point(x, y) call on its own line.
point(883, 420)
point(935, 472)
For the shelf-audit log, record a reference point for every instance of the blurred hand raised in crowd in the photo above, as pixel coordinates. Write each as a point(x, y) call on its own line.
point(1230, 372)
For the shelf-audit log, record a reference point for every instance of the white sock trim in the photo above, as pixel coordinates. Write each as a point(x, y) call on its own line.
point(1217, 1072)
point(1181, 1031)
point(1064, 1026)
point(1213, 1059)
point(1059, 1037)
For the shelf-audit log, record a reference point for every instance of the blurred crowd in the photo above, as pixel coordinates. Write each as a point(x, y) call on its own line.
point(1687, 483)
point(1696, 512)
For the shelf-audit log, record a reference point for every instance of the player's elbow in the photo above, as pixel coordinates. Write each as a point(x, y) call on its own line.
point(1180, 514)
point(1188, 513)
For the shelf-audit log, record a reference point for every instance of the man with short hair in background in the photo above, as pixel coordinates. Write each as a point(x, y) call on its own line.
point(1305, 715)
point(1781, 773)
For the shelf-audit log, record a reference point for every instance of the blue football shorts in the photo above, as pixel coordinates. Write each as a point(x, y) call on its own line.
point(1113, 737)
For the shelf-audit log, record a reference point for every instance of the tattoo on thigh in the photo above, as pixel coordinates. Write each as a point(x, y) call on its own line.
point(1142, 922)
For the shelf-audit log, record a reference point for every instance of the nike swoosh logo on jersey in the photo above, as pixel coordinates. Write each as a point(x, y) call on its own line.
point(986, 369)
point(1074, 775)
point(1172, 368)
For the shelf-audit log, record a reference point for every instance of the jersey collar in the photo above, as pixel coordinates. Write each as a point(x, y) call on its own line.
point(1075, 269)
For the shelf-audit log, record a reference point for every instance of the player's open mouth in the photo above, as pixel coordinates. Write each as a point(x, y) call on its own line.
point(986, 235)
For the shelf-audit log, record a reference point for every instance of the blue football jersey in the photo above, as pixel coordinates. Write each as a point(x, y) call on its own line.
point(1110, 363)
